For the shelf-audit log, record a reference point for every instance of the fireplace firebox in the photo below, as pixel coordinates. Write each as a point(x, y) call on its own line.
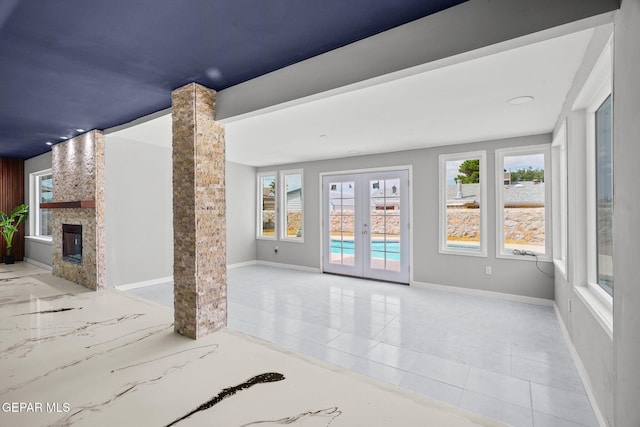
point(72, 243)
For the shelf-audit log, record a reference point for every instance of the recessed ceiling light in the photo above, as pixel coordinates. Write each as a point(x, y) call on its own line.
point(80, 130)
point(64, 137)
point(519, 100)
point(49, 143)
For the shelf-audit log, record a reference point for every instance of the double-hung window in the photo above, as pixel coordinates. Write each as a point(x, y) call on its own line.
point(267, 192)
point(596, 100)
point(560, 196)
point(594, 106)
point(41, 190)
point(522, 198)
point(604, 196)
point(462, 204)
point(292, 205)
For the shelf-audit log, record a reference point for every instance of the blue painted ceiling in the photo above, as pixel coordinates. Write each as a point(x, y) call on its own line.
point(78, 64)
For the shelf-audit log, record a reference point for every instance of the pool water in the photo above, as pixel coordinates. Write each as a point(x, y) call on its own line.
point(378, 249)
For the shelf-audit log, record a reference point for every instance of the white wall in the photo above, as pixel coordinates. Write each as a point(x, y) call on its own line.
point(591, 341)
point(241, 209)
point(36, 249)
point(585, 331)
point(612, 363)
point(626, 132)
point(429, 266)
point(138, 211)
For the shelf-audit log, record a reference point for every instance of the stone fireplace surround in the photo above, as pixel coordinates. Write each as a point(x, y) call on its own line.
point(200, 298)
point(78, 199)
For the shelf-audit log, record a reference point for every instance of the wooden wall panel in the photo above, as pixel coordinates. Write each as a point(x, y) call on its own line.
point(11, 195)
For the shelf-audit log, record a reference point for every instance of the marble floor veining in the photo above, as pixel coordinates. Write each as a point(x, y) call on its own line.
point(74, 357)
point(502, 359)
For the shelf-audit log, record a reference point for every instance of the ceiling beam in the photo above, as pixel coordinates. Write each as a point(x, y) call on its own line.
point(470, 30)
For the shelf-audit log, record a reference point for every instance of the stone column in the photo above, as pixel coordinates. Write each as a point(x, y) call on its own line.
point(199, 227)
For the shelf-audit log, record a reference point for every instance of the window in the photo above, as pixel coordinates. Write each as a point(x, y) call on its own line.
point(267, 193)
point(522, 196)
point(41, 189)
point(559, 187)
point(592, 205)
point(604, 196)
point(292, 205)
point(462, 199)
point(595, 98)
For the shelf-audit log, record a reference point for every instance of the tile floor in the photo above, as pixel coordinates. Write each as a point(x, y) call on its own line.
point(502, 359)
point(72, 357)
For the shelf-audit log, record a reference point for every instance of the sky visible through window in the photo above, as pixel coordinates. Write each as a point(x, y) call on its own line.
point(294, 181)
point(513, 163)
point(452, 170)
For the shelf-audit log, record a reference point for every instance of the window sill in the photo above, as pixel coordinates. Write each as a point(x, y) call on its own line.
point(561, 267)
point(266, 238)
point(602, 311)
point(541, 258)
point(40, 239)
point(295, 240)
point(462, 252)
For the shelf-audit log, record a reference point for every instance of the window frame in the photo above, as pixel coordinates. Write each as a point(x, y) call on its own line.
point(598, 98)
point(597, 87)
point(259, 205)
point(500, 154)
point(593, 276)
point(34, 203)
point(559, 190)
point(442, 220)
point(283, 205)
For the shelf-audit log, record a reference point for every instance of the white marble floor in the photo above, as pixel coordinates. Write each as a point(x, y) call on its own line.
point(73, 357)
point(502, 359)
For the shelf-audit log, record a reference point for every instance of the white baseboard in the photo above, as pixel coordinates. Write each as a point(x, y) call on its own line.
point(290, 266)
point(38, 264)
point(480, 292)
point(135, 285)
point(241, 264)
point(581, 369)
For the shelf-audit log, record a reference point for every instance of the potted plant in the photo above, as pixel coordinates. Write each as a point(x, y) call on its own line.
point(9, 225)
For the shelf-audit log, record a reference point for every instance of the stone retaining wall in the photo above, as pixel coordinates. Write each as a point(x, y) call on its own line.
point(521, 224)
point(294, 221)
point(378, 222)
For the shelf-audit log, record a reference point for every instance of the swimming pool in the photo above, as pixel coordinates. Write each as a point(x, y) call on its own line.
point(378, 249)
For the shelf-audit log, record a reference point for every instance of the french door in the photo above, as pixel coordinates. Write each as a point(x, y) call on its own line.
point(366, 225)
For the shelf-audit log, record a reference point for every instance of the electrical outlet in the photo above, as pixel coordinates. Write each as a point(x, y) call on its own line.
point(487, 270)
